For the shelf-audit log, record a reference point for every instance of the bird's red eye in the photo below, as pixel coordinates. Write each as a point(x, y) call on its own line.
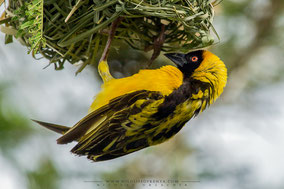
point(194, 59)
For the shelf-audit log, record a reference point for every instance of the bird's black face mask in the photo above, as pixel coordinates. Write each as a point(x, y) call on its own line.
point(187, 63)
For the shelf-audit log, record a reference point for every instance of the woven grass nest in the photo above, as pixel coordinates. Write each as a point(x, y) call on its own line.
point(77, 30)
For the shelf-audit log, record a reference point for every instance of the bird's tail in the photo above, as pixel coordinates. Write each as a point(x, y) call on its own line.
point(56, 128)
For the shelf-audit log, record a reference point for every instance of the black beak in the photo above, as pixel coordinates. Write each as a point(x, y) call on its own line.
point(178, 58)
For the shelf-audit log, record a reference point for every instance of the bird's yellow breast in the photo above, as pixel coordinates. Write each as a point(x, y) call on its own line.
point(164, 80)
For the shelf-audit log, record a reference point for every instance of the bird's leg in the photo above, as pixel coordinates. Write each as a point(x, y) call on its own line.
point(158, 43)
point(103, 67)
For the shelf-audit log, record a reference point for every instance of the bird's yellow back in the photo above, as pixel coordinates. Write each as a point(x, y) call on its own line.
point(164, 80)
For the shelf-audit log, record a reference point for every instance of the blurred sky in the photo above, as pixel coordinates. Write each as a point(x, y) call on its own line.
point(239, 141)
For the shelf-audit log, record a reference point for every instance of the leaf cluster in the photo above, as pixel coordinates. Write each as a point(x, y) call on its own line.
point(28, 20)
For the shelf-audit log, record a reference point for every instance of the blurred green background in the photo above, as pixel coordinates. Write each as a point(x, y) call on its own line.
point(236, 143)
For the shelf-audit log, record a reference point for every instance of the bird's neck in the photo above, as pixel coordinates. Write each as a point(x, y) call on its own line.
point(190, 90)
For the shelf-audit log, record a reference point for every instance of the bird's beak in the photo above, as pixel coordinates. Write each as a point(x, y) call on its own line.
point(178, 58)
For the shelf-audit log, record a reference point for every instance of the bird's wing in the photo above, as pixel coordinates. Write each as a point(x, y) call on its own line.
point(121, 128)
point(107, 119)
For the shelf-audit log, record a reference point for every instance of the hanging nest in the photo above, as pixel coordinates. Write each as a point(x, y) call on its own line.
point(77, 30)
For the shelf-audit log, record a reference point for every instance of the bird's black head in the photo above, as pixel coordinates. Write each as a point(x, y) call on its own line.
point(187, 63)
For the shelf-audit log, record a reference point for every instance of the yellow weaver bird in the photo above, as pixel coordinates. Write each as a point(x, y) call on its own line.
point(147, 108)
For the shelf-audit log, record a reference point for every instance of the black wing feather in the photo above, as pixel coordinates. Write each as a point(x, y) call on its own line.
point(80, 128)
point(108, 140)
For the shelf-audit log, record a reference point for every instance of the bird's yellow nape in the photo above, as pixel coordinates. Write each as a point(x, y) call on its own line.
point(212, 70)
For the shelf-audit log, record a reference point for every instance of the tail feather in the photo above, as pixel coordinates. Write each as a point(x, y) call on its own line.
point(54, 127)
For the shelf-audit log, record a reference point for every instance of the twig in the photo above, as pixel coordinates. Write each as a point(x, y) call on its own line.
point(111, 34)
point(78, 4)
point(158, 43)
point(103, 67)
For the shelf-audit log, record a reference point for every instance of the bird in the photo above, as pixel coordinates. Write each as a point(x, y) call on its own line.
point(147, 108)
